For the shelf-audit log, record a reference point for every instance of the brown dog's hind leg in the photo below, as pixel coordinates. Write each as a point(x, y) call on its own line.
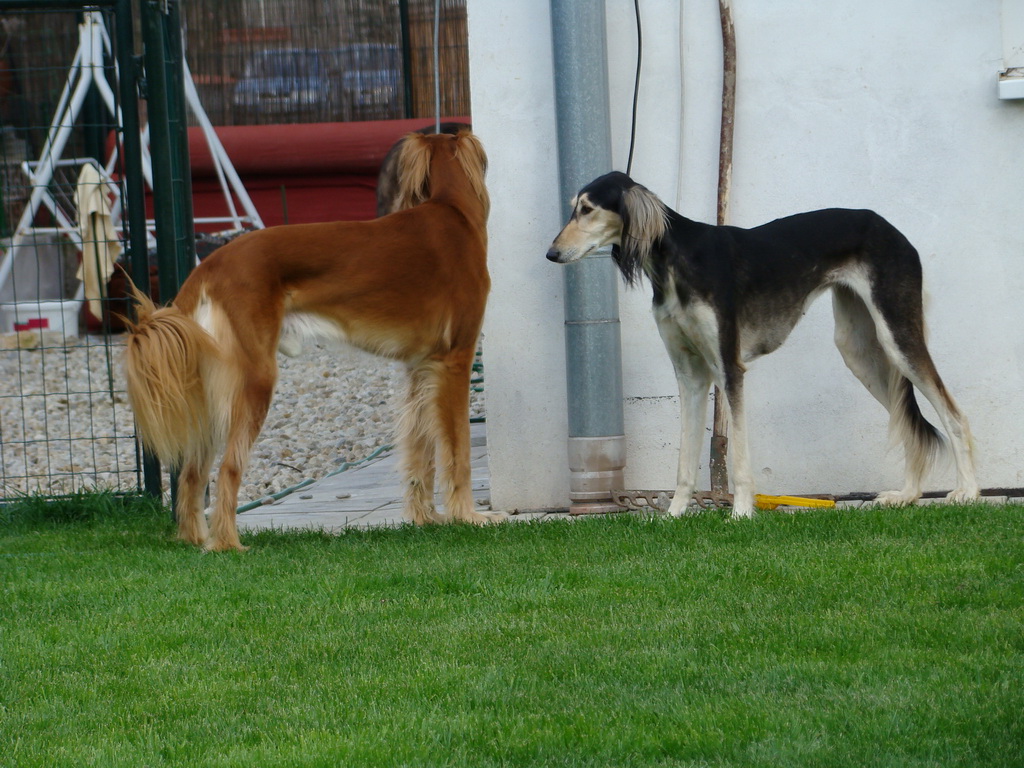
point(417, 429)
point(452, 398)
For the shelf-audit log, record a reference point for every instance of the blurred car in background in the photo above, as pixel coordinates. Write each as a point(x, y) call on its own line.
point(359, 81)
point(370, 77)
point(283, 81)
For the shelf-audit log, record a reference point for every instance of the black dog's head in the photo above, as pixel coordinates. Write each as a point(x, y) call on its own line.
point(612, 210)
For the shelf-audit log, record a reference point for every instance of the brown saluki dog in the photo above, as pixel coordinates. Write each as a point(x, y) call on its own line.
point(410, 286)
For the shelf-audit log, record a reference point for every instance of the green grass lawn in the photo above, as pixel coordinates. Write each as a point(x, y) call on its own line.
point(857, 638)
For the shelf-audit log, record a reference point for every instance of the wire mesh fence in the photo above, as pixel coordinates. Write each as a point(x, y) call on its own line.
point(65, 425)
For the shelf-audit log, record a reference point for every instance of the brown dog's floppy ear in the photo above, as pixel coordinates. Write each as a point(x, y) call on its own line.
point(473, 159)
point(644, 221)
point(413, 172)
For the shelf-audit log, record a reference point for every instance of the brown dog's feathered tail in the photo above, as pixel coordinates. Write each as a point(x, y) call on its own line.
point(166, 355)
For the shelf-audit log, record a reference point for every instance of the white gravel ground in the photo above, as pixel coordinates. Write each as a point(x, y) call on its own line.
point(63, 426)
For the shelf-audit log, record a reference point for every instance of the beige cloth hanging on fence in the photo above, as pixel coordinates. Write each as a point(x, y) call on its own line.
point(100, 244)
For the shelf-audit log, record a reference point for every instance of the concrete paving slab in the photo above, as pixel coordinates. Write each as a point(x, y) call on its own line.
point(363, 496)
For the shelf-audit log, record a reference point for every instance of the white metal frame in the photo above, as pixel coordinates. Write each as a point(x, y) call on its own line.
point(87, 70)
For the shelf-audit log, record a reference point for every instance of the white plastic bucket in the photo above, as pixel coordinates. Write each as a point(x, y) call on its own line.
point(58, 316)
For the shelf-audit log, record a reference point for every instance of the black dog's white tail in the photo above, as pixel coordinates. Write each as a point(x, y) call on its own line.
point(922, 442)
point(877, 364)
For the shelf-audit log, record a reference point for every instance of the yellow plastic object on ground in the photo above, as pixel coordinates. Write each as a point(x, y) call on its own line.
point(771, 502)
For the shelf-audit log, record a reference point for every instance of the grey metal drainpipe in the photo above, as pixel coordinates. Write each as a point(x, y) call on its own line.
point(597, 443)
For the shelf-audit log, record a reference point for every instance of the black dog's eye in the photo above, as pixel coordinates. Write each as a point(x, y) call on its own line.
point(585, 209)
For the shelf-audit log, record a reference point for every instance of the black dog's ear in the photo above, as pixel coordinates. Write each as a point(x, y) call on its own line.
point(623, 252)
point(644, 221)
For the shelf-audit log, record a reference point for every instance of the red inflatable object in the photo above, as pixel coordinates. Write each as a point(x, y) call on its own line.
point(317, 171)
point(311, 172)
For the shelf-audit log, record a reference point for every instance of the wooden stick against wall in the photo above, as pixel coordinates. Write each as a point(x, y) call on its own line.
point(720, 433)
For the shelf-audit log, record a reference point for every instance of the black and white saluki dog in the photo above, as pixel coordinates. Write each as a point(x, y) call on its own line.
point(724, 296)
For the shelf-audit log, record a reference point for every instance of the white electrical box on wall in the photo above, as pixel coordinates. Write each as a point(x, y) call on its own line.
point(1011, 79)
point(1011, 86)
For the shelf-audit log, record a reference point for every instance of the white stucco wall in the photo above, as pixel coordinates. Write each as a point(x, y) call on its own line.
point(859, 103)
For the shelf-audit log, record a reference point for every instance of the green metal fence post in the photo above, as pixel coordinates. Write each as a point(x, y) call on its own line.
point(161, 147)
point(130, 70)
point(129, 67)
point(403, 19)
point(172, 204)
point(180, 160)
